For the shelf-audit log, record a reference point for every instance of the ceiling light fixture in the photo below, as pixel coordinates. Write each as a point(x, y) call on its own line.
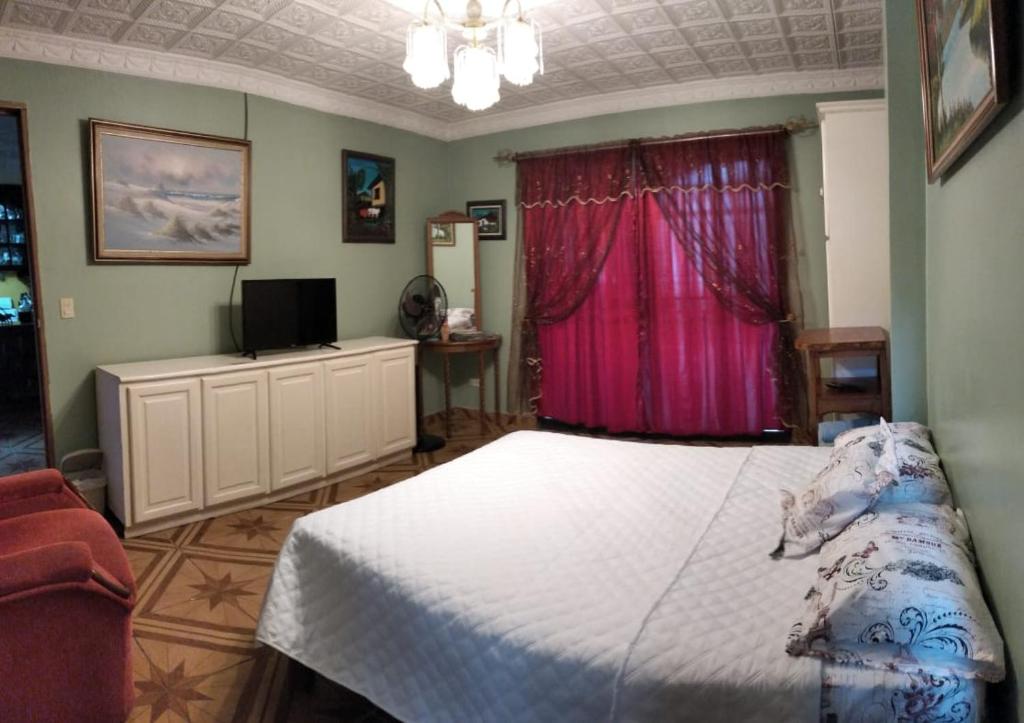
point(518, 55)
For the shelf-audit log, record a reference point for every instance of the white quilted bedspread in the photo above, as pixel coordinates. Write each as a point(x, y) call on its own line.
point(549, 577)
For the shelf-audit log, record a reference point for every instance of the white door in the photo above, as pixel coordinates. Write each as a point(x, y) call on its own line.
point(349, 393)
point(236, 437)
point(396, 400)
point(164, 423)
point(296, 424)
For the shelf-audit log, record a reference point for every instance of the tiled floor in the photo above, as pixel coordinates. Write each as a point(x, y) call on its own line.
point(21, 440)
point(200, 590)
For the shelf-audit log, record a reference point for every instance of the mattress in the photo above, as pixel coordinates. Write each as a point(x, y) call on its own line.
point(549, 577)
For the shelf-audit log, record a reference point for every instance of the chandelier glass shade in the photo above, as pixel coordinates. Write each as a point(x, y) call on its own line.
point(518, 55)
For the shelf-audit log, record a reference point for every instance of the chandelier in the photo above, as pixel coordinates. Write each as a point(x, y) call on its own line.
point(518, 52)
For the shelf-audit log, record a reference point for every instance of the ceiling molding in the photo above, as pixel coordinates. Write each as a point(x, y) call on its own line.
point(79, 53)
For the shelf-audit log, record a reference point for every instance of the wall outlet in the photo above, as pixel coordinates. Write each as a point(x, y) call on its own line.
point(475, 382)
point(67, 307)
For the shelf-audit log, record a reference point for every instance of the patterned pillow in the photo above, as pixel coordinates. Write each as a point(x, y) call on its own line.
point(845, 489)
point(915, 468)
point(897, 590)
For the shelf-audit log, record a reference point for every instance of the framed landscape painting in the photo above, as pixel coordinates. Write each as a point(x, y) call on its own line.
point(368, 198)
point(963, 74)
point(164, 196)
point(489, 217)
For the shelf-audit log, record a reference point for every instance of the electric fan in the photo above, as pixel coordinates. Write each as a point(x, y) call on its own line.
point(422, 308)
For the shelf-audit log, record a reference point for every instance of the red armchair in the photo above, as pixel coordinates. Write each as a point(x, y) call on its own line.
point(66, 597)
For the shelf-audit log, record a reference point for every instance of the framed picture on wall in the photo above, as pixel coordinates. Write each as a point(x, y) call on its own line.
point(964, 69)
point(489, 217)
point(442, 234)
point(164, 196)
point(368, 198)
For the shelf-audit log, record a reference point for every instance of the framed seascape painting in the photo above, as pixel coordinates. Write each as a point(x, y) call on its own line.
point(368, 198)
point(164, 196)
point(489, 217)
point(963, 74)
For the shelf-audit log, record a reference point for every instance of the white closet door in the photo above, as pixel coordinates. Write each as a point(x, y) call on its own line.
point(396, 400)
point(166, 448)
point(296, 424)
point(349, 394)
point(236, 436)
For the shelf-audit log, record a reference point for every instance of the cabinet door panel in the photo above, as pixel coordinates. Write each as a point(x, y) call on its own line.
point(236, 437)
point(349, 392)
point(296, 425)
point(166, 448)
point(396, 401)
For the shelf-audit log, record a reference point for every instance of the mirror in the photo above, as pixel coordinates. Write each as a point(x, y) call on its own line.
point(452, 243)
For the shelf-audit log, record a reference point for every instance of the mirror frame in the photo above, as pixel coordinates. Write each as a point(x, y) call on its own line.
point(456, 217)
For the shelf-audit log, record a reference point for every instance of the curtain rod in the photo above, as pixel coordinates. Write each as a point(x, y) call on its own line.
point(791, 126)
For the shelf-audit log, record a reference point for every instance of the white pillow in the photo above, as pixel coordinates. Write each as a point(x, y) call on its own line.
point(844, 490)
point(897, 590)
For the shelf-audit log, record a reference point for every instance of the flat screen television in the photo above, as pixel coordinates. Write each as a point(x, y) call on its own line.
point(282, 313)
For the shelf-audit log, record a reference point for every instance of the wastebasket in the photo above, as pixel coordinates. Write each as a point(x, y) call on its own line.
point(84, 469)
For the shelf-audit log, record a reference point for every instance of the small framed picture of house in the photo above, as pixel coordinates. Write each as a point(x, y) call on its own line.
point(442, 234)
point(489, 217)
point(368, 202)
point(167, 196)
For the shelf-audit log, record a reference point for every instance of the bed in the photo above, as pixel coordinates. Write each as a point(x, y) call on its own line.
point(550, 577)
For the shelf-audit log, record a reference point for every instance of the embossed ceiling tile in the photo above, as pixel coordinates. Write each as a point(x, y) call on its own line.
point(245, 54)
point(773, 63)
point(151, 36)
point(722, 68)
point(337, 31)
point(612, 84)
point(310, 49)
point(595, 71)
point(856, 38)
point(766, 46)
point(376, 15)
point(739, 8)
point(811, 43)
point(689, 11)
point(685, 73)
point(756, 28)
point(381, 73)
point(384, 93)
point(659, 40)
point(258, 8)
point(649, 78)
point(644, 21)
point(117, 8)
point(616, 48)
point(177, 14)
point(859, 19)
point(572, 56)
point(722, 51)
point(636, 63)
point(814, 60)
point(710, 33)
point(343, 60)
point(806, 24)
point(559, 77)
point(802, 5)
point(35, 17)
point(271, 36)
point(301, 18)
point(624, 5)
point(681, 56)
point(861, 56)
point(378, 48)
point(349, 84)
point(599, 29)
point(285, 65)
point(843, 4)
point(207, 46)
point(559, 38)
point(227, 24)
point(94, 27)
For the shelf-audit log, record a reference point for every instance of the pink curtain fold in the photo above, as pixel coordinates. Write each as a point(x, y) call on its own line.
point(655, 278)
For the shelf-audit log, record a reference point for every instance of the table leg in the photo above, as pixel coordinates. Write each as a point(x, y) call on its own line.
point(481, 361)
point(447, 395)
point(885, 383)
point(497, 389)
point(813, 373)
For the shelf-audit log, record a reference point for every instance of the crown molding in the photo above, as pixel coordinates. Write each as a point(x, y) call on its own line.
point(158, 65)
point(661, 96)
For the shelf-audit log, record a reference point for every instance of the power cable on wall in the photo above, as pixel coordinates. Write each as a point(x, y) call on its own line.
point(234, 277)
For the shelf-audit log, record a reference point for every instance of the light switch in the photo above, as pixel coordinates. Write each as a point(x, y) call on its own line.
point(67, 307)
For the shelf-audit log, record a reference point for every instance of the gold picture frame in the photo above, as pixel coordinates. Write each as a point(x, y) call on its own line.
point(442, 234)
point(166, 196)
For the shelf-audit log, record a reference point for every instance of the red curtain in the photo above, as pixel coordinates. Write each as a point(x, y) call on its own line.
point(679, 328)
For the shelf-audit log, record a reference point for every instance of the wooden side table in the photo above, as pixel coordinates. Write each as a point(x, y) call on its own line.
point(830, 395)
point(480, 347)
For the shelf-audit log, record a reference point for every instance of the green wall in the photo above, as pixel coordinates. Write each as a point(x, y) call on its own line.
point(975, 255)
point(906, 213)
point(475, 175)
point(132, 312)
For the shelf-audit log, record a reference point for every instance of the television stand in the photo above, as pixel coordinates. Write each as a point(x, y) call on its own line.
point(250, 354)
point(331, 346)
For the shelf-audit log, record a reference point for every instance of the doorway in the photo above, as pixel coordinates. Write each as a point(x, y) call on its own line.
point(25, 426)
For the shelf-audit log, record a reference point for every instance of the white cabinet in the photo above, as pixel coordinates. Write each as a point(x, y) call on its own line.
point(396, 408)
point(296, 424)
point(185, 439)
point(349, 391)
point(236, 436)
point(166, 448)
